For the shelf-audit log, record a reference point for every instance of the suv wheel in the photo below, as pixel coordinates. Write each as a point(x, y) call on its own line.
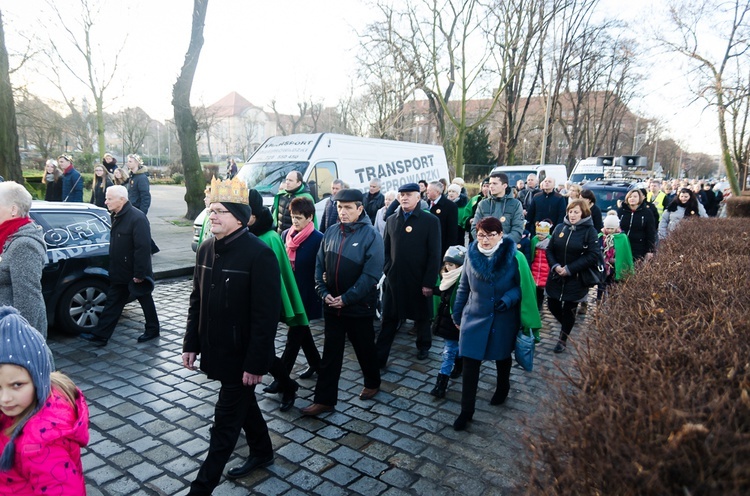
point(81, 306)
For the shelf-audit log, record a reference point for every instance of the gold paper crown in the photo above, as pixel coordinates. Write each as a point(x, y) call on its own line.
point(230, 191)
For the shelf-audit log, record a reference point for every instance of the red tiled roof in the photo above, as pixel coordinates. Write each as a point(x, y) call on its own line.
point(233, 104)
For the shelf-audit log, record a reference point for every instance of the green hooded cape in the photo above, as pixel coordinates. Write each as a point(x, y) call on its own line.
point(530, 318)
point(292, 309)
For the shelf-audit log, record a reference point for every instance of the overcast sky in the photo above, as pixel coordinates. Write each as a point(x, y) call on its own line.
point(287, 50)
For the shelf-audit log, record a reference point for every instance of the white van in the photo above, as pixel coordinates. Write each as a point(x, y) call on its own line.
point(516, 172)
point(608, 167)
point(323, 157)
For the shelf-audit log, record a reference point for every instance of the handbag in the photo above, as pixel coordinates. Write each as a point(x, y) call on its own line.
point(524, 350)
point(592, 276)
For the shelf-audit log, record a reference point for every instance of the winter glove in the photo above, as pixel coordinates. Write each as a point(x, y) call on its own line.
point(500, 306)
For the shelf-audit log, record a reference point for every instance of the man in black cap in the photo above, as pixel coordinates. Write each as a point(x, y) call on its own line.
point(412, 262)
point(130, 273)
point(348, 268)
point(232, 318)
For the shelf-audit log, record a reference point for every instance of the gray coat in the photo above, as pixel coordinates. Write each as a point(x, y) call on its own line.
point(670, 220)
point(507, 209)
point(487, 306)
point(21, 263)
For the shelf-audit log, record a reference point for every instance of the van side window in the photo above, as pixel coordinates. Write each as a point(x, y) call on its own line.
point(321, 178)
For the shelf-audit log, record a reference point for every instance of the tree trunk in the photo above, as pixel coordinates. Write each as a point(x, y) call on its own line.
point(187, 127)
point(10, 158)
point(726, 154)
point(100, 126)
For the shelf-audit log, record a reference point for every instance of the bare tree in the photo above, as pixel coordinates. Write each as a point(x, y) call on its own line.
point(99, 70)
point(720, 78)
point(289, 124)
point(10, 158)
point(39, 125)
point(132, 126)
point(185, 123)
point(206, 118)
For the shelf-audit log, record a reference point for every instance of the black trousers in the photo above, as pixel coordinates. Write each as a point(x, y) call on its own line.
point(236, 410)
point(117, 297)
point(388, 334)
point(565, 313)
point(362, 337)
point(471, 381)
point(300, 337)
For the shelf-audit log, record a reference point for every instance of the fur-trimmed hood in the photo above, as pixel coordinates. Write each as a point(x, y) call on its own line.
point(486, 268)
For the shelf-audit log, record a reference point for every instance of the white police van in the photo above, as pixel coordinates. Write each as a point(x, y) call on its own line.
point(323, 157)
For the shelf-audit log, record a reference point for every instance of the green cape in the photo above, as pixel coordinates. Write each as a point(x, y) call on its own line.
point(530, 318)
point(624, 266)
point(292, 309)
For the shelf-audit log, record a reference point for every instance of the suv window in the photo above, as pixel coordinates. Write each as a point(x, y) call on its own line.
point(65, 233)
point(320, 180)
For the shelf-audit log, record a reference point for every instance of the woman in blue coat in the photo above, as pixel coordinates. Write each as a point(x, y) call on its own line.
point(487, 312)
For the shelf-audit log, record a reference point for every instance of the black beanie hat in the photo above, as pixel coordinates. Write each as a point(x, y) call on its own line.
point(241, 212)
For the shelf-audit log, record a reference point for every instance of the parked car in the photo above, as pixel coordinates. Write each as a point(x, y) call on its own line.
point(609, 194)
point(76, 277)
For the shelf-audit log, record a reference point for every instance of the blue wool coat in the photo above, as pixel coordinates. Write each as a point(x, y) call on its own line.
point(488, 334)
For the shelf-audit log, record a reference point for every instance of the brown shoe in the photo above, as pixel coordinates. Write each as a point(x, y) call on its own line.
point(367, 394)
point(315, 409)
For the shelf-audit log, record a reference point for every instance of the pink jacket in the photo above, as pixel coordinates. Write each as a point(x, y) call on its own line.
point(48, 451)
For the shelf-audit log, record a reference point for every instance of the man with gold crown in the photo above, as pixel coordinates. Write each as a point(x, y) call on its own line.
point(232, 318)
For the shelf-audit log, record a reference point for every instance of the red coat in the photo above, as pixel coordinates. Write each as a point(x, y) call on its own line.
point(57, 431)
point(540, 268)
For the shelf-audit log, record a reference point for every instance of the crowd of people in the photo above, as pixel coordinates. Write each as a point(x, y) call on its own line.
point(473, 271)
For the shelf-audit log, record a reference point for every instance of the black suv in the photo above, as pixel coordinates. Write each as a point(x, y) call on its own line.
point(76, 277)
point(610, 193)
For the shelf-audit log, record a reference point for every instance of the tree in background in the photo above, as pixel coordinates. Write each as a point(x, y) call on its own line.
point(477, 148)
point(10, 158)
point(187, 127)
point(39, 125)
point(720, 77)
point(132, 125)
point(74, 33)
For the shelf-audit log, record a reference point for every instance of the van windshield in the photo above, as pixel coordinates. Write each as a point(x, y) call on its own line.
point(266, 177)
point(586, 176)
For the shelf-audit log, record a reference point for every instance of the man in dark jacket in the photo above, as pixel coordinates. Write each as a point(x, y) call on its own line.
point(232, 318)
point(293, 187)
point(130, 271)
point(330, 214)
point(374, 200)
point(548, 205)
point(447, 213)
point(412, 262)
point(348, 268)
point(526, 195)
point(72, 182)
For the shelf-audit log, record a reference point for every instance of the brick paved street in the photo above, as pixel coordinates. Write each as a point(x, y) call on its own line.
point(150, 419)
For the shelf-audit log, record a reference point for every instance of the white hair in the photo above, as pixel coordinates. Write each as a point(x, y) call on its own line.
point(118, 191)
point(12, 193)
point(459, 181)
point(390, 194)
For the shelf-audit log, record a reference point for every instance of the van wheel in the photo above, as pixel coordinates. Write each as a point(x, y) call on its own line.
point(81, 306)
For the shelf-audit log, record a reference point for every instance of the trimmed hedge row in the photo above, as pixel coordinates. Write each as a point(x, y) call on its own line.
point(659, 398)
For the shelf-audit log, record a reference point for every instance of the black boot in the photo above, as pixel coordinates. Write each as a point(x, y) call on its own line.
point(462, 420)
point(458, 368)
point(503, 381)
point(440, 386)
point(561, 343)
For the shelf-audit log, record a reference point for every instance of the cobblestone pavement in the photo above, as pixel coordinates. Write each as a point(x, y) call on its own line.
point(150, 419)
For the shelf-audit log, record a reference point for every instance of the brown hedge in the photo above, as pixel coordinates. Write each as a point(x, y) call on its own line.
point(658, 401)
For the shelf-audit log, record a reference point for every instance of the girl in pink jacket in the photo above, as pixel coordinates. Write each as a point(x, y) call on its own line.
point(44, 419)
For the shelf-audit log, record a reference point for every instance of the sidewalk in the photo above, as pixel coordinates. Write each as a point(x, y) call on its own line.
point(171, 232)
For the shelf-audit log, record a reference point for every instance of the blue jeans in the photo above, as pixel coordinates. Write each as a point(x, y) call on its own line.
point(450, 352)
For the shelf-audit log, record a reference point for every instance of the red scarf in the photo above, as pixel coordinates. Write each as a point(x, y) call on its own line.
point(294, 239)
point(9, 228)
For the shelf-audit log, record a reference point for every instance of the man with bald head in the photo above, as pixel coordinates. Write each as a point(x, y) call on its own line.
point(548, 205)
point(129, 268)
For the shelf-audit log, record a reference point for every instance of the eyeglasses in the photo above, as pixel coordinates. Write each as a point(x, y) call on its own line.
point(218, 212)
point(486, 236)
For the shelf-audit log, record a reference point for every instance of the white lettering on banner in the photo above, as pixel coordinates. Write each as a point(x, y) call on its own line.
point(398, 167)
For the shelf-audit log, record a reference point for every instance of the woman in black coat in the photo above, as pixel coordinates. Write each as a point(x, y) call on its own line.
point(596, 213)
point(99, 186)
point(302, 242)
point(638, 223)
point(573, 249)
point(53, 181)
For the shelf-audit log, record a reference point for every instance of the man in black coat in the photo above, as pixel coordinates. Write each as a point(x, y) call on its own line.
point(130, 273)
point(232, 318)
point(447, 213)
point(412, 263)
point(548, 205)
point(374, 200)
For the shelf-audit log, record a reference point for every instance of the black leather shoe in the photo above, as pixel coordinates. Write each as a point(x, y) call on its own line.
point(287, 399)
point(94, 339)
point(463, 419)
point(251, 464)
point(308, 373)
point(147, 337)
point(560, 347)
point(422, 355)
point(272, 388)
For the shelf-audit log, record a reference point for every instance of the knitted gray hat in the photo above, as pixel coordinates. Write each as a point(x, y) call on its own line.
point(22, 345)
point(455, 254)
